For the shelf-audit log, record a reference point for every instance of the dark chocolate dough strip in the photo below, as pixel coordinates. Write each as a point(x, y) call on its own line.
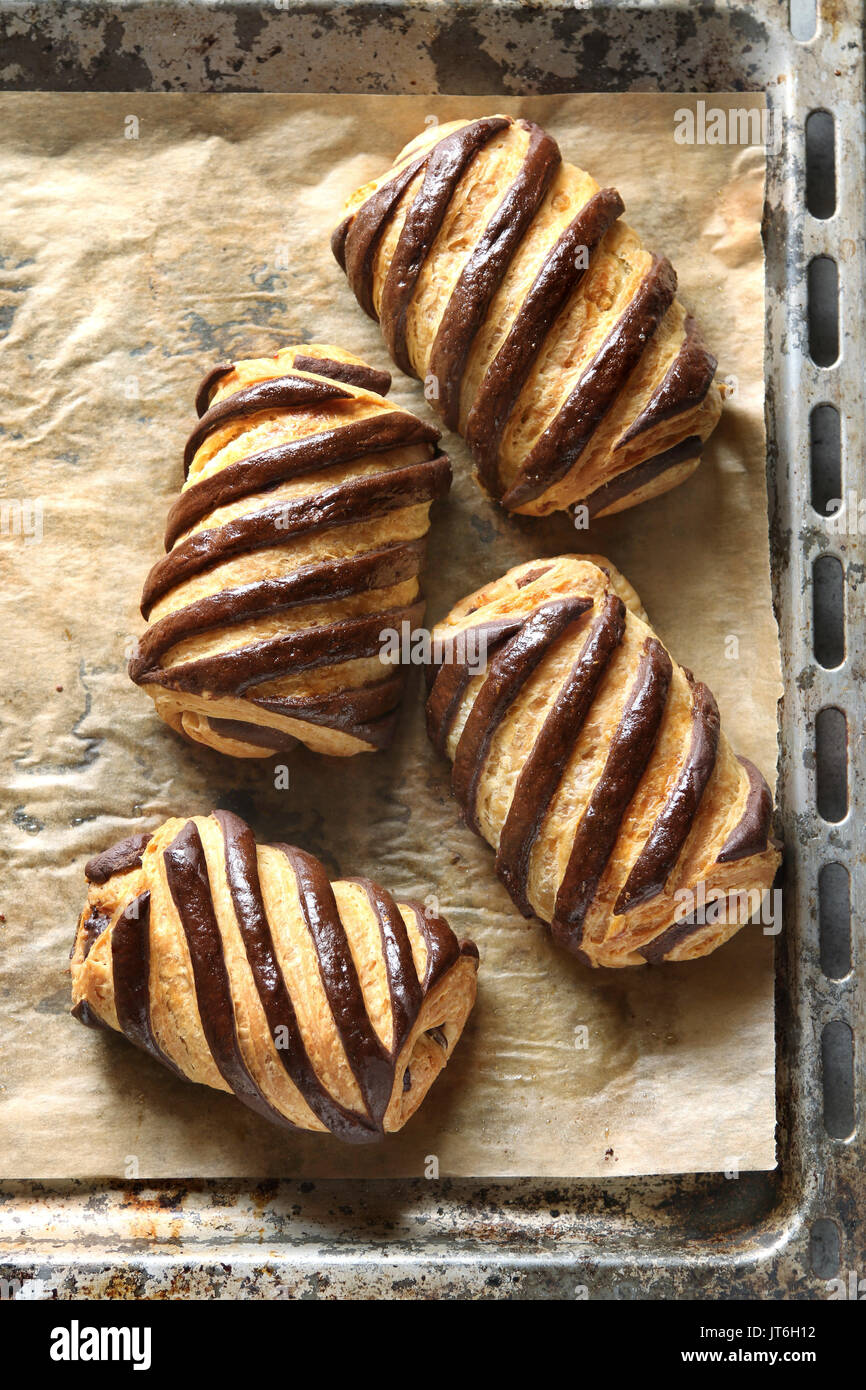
point(750, 834)
point(485, 270)
point(356, 240)
point(684, 386)
point(445, 166)
point(359, 499)
point(660, 946)
point(449, 679)
point(243, 879)
point(293, 459)
point(543, 769)
point(558, 277)
point(186, 871)
point(126, 854)
point(371, 1064)
point(633, 479)
point(233, 672)
point(507, 674)
point(315, 583)
point(353, 373)
point(207, 384)
point(404, 987)
point(565, 438)
point(630, 750)
point(656, 861)
point(367, 712)
point(442, 947)
point(130, 968)
point(275, 393)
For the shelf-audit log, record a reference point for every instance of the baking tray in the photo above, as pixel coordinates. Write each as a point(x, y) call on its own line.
point(753, 1235)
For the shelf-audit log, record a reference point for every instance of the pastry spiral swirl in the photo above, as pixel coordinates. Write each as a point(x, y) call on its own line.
point(298, 537)
point(543, 330)
point(322, 1006)
point(596, 768)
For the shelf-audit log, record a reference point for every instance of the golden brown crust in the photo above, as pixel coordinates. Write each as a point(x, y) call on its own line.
point(596, 768)
point(299, 535)
point(542, 328)
point(323, 1006)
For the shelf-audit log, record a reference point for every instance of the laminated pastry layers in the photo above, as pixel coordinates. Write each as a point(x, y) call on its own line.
point(322, 1006)
point(595, 767)
point(544, 331)
point(297, 540)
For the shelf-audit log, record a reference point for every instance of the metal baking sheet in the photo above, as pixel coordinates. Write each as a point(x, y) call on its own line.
point(760, 1235)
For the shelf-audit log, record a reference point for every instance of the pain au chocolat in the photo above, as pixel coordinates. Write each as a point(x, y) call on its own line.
point(322, 1006)
point(594, 765)
point(297, 539)
point(544, 331)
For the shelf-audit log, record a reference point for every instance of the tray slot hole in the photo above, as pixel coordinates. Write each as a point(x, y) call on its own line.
point(834, 920)
point(828, 611)
point(825, 1252)
point(831, 757)
point(803, 16)
point(823, 286)
point(837, 1069)
point(820, 164)
point(825, 447)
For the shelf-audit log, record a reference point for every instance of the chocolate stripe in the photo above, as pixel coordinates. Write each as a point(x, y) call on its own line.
point(371, 1066)
point(633, 479)
point(356, 240)
point(451, 677)
point(543, 769)
point(445, 166)
point(655, 863)
point(595, 837)
point(232, 672)
point(260, 735)
point(367, 712)
point(126, 854)
point(661, 946)
point(443, 950)
point(314, 583)
point(750, 834)
point(565, 438)
point(293, 459)
point(485, 270)
point(560, 274)
point(130, 969)
point(404, 987)
point(242, 872)
point(353, 373)
point(359, 499)
point(507, 674)
point(186, 871)
point(276, 393)
point(684, 386)
point(207, 384)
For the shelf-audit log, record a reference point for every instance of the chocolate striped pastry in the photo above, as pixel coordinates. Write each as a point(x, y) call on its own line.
point(296, 541)
point(595, 767)
point(543, 330)
point(322, 1006)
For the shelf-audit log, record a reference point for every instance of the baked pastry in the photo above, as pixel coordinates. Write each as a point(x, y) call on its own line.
point(322, 1006)
point(595, 767)
point(297, 539)
point(543, 330)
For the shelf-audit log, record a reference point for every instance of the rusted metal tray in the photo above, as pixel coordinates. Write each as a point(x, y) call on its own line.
point(783, 1234)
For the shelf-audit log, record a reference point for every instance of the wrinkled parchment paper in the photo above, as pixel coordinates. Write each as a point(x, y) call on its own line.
point(144, 239)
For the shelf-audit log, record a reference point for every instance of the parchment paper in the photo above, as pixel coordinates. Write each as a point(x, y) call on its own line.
point(144, 239)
